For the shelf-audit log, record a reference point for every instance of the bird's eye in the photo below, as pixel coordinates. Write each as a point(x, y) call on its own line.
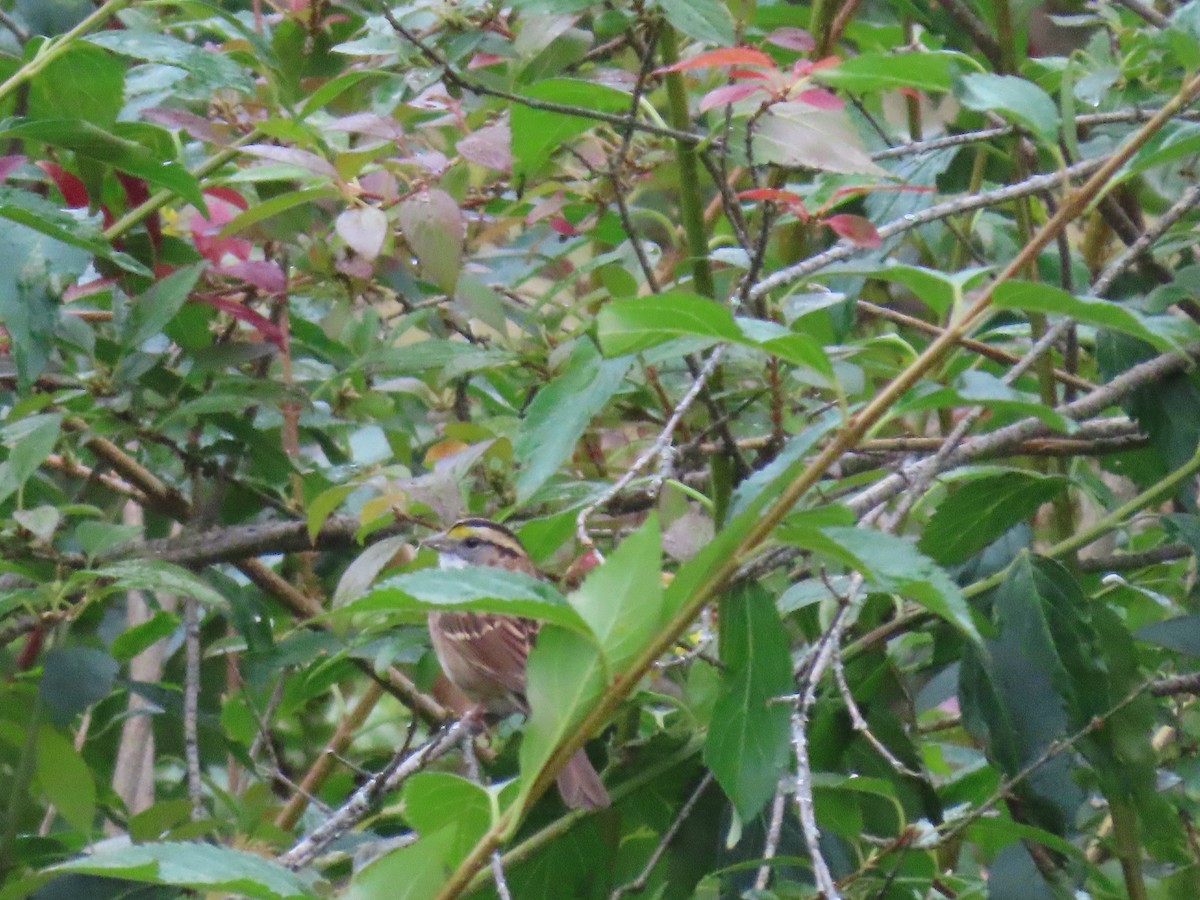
point(472, 543)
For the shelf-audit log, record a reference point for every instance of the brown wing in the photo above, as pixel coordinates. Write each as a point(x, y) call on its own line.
point(484, 655)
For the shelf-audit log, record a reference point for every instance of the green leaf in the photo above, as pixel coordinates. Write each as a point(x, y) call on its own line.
point(1018, 100)
point(41, 521)
point(1045, 298)
point(1175, 141)
point(414, 872)
point(66, 779)
point(981, 510)
point(976, 386)
point(1180, 633)
point(1048, 628)
point(84, 83)
point(867, 72)
point(210, 71)
point(133, 641)
point(94, 538)
point(795, 133)
point(44, 217)
point(273, 206)
point(940, 291)
point(705, 20)
point(891, 564)
point(561, 412)
point(437, 800)
point(30, 441)
point(621, 600)
point(361, 574)
point(161, 577)
point(537, 133)
point(321, 507)
point(200, 866)
point(748, 740)
point(97, 144)
point(565, 676)
point(629, 326)
point(473, 589)
point(150, 313)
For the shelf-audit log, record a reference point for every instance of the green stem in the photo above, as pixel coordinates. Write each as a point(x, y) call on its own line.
point(1129, 849)
point(53, 49)
point(20, 788)
point(691, 207)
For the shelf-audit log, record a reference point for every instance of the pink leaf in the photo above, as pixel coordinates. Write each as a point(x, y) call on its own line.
point(855, 229)
point(264, 274)
point(726, 56)
point(293, 157)
point(182, 120)
point(224, 204)
point(730, 93)
point(364, 229)
point(792, 39)
point(8, 164)
point(820, 98)
point(482, 60)
point(490, 146)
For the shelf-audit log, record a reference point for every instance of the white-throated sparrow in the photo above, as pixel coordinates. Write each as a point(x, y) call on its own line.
point(484, 655)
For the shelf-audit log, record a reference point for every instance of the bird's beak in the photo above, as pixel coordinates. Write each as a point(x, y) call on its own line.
point(439, 542)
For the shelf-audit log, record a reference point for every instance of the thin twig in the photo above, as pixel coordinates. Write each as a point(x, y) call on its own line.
point(639, 884)
point(401, 767)
point(845, 249)
point(191, 704)
point(473, 772)
point(771, 845)
point(658, 448)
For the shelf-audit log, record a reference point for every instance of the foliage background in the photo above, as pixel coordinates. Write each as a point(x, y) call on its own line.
point(858, 345)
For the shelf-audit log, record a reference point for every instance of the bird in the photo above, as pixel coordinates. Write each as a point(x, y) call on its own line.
point(484, 654)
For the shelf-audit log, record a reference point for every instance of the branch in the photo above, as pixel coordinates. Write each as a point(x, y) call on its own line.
point(356, 808)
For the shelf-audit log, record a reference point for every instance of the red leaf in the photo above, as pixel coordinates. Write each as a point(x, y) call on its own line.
point(820, 98)
point(726, 56)
point(792, 39)
point(562, 226)
point(137, 193)
point(774, 195)
point(229, 195)
point(10, 163)
point(730, 93)
point(68, 185)
point(855, 229)
point(756, 74)
point(770, 194)
point(264, 326)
